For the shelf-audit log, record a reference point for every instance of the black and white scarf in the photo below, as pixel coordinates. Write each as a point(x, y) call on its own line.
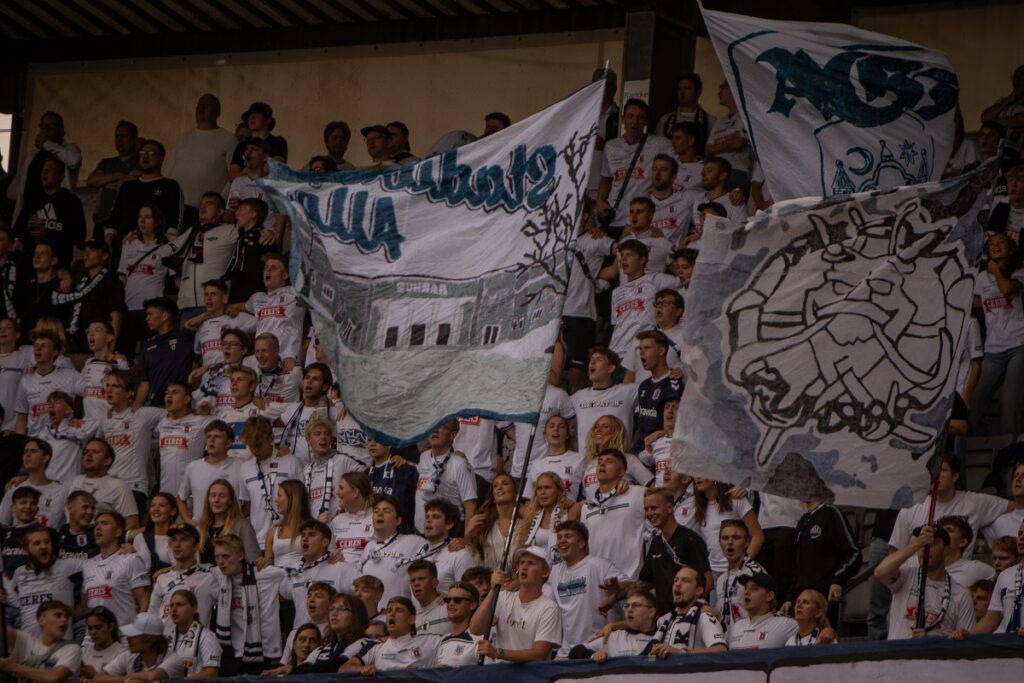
point(221, 620)
point(247, 239)
point(691, 617)
point(10, 277)
point(187, 644)
point(82, 289)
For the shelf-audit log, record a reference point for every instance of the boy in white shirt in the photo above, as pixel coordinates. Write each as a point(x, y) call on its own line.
point(404, 648)
point(633, 300)
point(761, 629)
point(445, 474)
point(199, 474)
point(63, 661)
point(279, 310)
point(216, 319)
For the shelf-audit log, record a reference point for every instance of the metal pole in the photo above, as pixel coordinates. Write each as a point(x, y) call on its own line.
point(3, 610)
point(511, 532)
point(924, 559)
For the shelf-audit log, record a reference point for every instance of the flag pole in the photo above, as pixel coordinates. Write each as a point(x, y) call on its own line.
point(5, 649)
point(511, 532)
point(920, 620)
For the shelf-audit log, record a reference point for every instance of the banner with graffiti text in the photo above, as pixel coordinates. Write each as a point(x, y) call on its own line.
point(831, 109)
point(436, 288)
point(823, 341)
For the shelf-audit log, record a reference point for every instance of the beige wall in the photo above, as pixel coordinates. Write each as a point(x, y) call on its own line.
point(433, 87)
point(437, 87)
point(983, 41)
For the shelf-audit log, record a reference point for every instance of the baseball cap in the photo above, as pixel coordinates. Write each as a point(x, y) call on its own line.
point(98, 244)
point(762, 579)
point(400, 126)
point(376, 128)
point(183, 529)
point(534, 550)
point(939, 533)
point(146, 624)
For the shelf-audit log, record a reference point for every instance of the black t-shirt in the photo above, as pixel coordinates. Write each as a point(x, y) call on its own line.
point(98, 304)
point(662, 561)
point(124, 216)
point(247, 278)
point(277, 144)
point(80, 546)
point(64, 218)
point(164, 359)
point(37, 302)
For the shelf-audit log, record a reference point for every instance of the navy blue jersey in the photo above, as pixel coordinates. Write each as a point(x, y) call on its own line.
point(650, 412)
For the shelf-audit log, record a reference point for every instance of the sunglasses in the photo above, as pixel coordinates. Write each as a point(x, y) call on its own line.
point(456, 600)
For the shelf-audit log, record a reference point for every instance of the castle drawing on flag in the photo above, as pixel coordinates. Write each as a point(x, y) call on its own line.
point(406, 312)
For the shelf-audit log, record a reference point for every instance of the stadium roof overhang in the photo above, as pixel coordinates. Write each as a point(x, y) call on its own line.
point(35, 31)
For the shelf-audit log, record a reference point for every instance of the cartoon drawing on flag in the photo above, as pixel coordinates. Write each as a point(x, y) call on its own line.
point(833, 110)
point(437, 288)
point(823, 341)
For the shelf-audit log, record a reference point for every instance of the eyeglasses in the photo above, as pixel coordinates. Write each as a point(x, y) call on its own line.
point(456, 600)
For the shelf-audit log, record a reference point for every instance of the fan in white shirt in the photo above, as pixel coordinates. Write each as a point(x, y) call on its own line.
point(668, 315)
point(576, 584)
point(556, 402)
point(36, 456)
point(527, 626)
point(194, 643)
point(431, 612)
point(35, 388)
point(568, 465)
point(713, 504)
point(66, 436)
point(444, 474)
point(637, 638)
point(641, 228)
point(404, 648)
point(672, 204)
point(99, 337)
point(1008, 522)
point(477, 440)
point(316, 381)
point(315, 567)
point(614, 515)
point(148, 656)
point(102, 648)
point(262, 474)
point(246, 405)
point(214, 321)
point(117, 581)
point(458, 647)
point(948, 607)
point(964, 571)
point(199, 474)
point(809, 612)
point(388, 555)
point(324, 471)
point(352, 527)
point(30, 655)
point(603, 396)
point(761, 629)
point(273, 383)
point(42, 578)
point(713, 176)
point(279, 310)
point(734, 540)
point(214, 391)
point(610, 432)
point(633, 300)
point(979, 509)
point(185, 573)
point(439, 519)
point(688, 628)
point(129, 430)
point(181, 437)
point(108, 490)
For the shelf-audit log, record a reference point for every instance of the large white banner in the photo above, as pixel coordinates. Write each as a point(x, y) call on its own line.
point(831, 109)
point(437, 288)
point(823, 340)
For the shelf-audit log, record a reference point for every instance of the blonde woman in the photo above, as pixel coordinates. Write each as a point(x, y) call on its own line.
point(813, 628)
point(222, 515)
point(609, 432)
point(352, 527)
point(282, 544)
point(548, 507)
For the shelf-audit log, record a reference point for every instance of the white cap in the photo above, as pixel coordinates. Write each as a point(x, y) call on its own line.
point(144, 625)
point(534, 550)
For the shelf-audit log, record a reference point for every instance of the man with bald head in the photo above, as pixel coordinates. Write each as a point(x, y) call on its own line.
point(200, 158)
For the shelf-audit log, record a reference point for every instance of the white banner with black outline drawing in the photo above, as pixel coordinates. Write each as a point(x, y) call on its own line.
point(833, 110)
point(436, 288)
point(823, 340)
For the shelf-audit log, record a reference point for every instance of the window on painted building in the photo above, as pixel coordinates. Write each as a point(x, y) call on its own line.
point(391, 338)
point(491, 334)
point(417, 335)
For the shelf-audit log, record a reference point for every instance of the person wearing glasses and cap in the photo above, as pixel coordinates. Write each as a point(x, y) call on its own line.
point(259, 119)
point(378, 145)
point(149, 657)
point(947, 604)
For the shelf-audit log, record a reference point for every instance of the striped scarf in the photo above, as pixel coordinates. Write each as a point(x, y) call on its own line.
point(10, 277)
point(82, 289)
point(253, 637)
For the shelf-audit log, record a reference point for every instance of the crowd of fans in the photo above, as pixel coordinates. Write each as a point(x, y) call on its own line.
point(186, 495)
